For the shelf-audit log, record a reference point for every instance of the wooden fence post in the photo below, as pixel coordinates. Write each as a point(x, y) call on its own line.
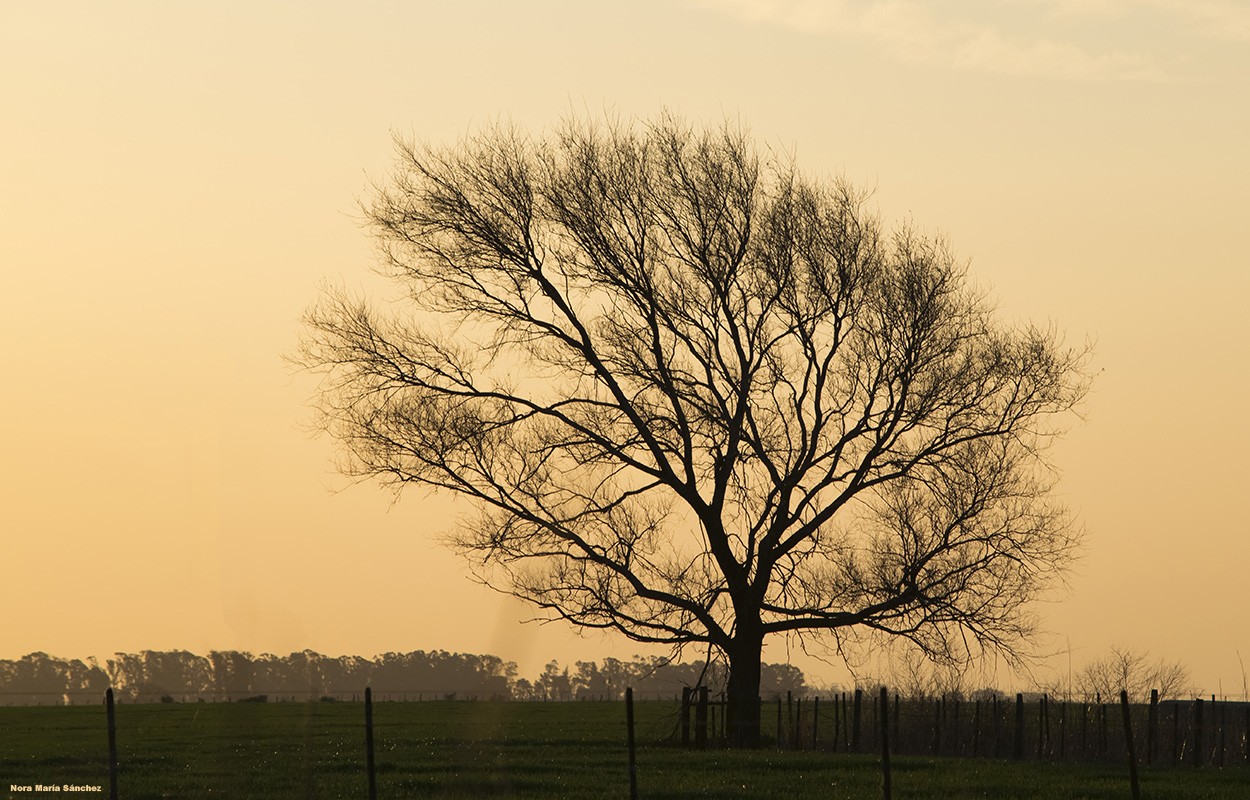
point(976, 728)
point(1176, 732)
point(1198, 755)
point(1017, 751)
point(1128, 746)
point(700, 720)
point(781, 731)
point(1219, 754)
point(846, 721)
point(955, 740)
point(815, 721)
point(897, 738)
point(1152, 723)
point(1102, 728)
point(1246, 730)
point(885, 743)
point(798, 723)
point(937, 727)
point(724, 717)
point(110, 716)
point(711, 730)
point(629, 740)
point(1046, 723)
point(1063, 729)
point(837, 720)
point(870, 726)
point(1085, 730)
point(998, 727)
point(790, 718)
point(685, 716)
point(369, 764)
point(859, 702)
point(1041, 720)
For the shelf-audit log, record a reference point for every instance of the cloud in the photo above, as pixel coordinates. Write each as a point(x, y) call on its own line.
point(912, 30)
point(1216, 19)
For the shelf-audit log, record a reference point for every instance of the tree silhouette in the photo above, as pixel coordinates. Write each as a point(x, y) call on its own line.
point(41, 679)
point(1134, 671)
point(698, 398)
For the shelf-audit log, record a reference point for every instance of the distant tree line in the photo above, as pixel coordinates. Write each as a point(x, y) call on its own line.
point(153, 676)
point(649, 678)
point(179, 676)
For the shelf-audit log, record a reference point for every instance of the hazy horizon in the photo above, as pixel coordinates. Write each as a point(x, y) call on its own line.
point(180, 181)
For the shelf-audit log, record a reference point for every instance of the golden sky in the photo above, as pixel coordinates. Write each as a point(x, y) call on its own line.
point(177, 180)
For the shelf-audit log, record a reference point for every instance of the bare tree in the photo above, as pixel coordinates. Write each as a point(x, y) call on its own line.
point(700, 399)
point(916, 677)
point(1134, 671)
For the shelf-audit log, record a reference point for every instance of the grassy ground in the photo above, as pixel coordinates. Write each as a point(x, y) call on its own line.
point(489, 750)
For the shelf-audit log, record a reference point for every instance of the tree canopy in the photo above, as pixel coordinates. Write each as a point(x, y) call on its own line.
point(699, 398)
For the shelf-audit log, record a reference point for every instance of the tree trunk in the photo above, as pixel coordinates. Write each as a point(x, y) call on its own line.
point(743, 691)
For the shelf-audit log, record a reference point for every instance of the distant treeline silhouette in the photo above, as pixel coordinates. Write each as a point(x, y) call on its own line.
point(179, 676)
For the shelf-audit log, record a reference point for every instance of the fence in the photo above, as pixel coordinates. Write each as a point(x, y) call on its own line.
point(1177, 734)
point(1168, 733)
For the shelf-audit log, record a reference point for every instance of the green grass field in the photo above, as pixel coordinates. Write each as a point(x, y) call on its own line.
point(489, 750)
